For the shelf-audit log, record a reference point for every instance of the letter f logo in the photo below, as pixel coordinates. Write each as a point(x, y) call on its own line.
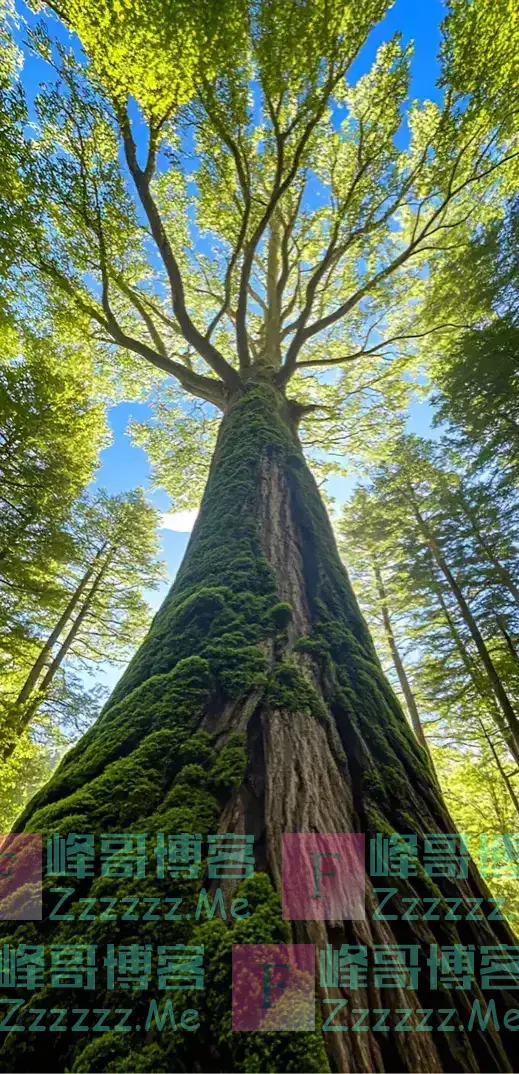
point(268, 983)
point(318, 872)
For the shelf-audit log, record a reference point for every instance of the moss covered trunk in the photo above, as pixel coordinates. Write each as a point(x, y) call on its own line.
point(256, 705)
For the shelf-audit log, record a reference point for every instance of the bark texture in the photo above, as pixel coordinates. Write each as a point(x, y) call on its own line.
point(257, 704)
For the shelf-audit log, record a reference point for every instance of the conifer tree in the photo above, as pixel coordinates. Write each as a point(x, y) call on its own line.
point(100, 615)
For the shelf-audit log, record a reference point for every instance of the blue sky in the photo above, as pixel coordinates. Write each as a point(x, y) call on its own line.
point(123, 465)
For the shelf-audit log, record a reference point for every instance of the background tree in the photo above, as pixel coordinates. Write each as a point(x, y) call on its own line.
point(296, 249)
point(475, 373)
point(48, 696)
point(54, 388)
point(15, 213)
point(376, 573)
point(101, 614)
point(51, 430)
point(474, 513)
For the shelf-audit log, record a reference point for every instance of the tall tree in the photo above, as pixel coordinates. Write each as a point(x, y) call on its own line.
point(15, 210)
point(440, 660)
point(102, 613)
point(51, 429)
point(427, 508)
point(376, 575)
point(475, 374)
point(260, 636)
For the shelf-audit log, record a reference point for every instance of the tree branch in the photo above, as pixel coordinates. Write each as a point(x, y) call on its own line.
point(362, 352)
point(135, 299)
point(202, 345)
point(279, 187)
point(208, 388)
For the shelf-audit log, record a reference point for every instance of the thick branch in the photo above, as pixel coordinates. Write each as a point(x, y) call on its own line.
point(213, 391)
point(303, 332)
point(279, 187)
point(191, 333)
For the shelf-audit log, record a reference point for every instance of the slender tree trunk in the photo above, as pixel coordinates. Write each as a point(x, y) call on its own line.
point(40, 691)
point(397, 660)
point(272, 313)
point(37, 668)
point(68, 641)
point(502, 624)
point(500, 767)
point(501, 570)
point(483, 689)
point(492, 674)
point(491, 707)
point(239, 716)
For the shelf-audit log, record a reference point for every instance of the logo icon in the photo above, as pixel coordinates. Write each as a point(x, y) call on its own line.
point(20, 877)
point(323, 876)
point(273, 988)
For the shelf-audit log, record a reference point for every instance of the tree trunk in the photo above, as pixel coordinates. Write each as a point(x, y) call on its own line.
point(489, 702)
point(500, 767)
point(483, 689)
point(502, 571)
point(70, 638)
point(43, 688)
point(397, 661)
point(501, 622)
point(477, 637)
point(238, 716)
point(23, 710)
point(37, 668)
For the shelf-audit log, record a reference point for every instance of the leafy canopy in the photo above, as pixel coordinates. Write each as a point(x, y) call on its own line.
point(222, 199)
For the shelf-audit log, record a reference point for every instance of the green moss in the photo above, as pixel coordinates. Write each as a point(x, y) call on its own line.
point(192, 773)
point(202, 606)
point(250, 1051)
point(229, 767)
point(112, 1054)
point(198, 749)
point(290, 691)
point(238, 667)
point(280, 615)
point(314, 646)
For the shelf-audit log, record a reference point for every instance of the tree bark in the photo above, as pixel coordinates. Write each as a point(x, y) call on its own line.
point(325, 747)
